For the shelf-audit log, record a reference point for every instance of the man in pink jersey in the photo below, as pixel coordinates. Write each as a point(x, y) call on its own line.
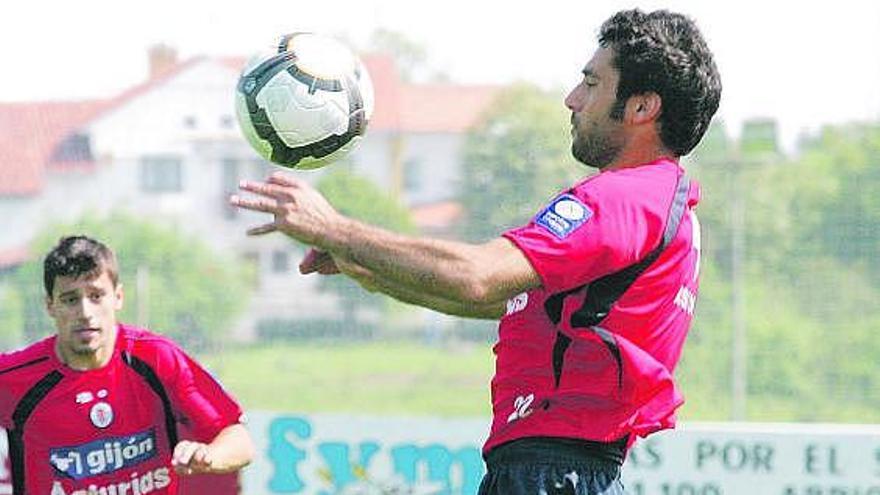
point(94, 409)
point(595, 294)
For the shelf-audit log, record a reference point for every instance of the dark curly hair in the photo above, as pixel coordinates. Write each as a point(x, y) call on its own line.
point(77, 256)
point(664, 52)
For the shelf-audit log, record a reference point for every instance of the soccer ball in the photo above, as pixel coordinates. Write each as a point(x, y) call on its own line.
point(305, 104)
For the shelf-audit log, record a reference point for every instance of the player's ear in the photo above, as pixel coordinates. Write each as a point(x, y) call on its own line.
point(120, 296)
point(643, 108)
point(50, 307)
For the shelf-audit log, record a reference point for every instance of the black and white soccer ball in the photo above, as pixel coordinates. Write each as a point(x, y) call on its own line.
point(307, 103)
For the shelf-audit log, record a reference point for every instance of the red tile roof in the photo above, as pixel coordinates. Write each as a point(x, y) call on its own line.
point(387, 88)
point(234, 63)
point(400, 106)
point(30, 132)
point(443, 107)
point(13, 256)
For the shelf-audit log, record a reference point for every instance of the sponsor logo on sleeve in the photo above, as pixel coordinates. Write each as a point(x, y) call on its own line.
point(564, 215)
point(103, 456)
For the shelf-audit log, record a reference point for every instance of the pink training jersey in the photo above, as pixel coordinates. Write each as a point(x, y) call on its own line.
point(590, 353)
point(109, 431)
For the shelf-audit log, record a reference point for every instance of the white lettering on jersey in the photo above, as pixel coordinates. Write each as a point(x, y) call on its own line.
point(686, 300)
point(696, 243)
point(517, 303)
point(139, 485)
point(522, 407)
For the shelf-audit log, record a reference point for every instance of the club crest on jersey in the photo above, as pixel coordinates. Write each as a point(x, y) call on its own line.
point(564, 215)
point(101, 414)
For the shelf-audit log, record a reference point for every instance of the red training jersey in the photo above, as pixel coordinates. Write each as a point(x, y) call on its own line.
point(590, 354)
point(108, 431)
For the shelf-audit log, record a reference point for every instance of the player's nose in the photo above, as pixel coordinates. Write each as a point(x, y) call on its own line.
point(572, 100)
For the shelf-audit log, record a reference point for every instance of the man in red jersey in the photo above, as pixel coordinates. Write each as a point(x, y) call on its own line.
point(94, 409)
point(595, 294)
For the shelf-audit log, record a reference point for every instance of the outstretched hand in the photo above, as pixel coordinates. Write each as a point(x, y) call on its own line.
point(298, 209)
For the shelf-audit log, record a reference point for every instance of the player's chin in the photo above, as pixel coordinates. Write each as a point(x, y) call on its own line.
point(86, 346)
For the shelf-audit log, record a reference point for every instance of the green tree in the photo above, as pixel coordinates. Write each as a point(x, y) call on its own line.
point(849, 228)
point(11, 316)
point(359, 198)
point(812, 228)
point(515, 160)
point(185, 291)
point(704, 370)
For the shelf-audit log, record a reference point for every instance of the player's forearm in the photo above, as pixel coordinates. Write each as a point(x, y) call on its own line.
point(232, 449)
point(451, 271)
point(454, 308)
point(405, 294)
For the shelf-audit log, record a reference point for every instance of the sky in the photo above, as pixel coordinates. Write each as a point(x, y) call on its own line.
point(802, 63)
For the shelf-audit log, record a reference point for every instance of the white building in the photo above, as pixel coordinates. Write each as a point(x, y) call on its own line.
point(170, 149)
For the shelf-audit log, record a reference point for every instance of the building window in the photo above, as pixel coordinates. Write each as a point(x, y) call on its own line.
point(280, 261)
point(413, 172)
point(161, 174)
point(75, 148)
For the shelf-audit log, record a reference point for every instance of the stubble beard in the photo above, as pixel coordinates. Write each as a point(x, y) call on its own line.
point(594, 151)
point(600, 145)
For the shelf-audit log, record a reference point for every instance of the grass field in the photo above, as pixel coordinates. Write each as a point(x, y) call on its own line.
point(362, 377)
point(390, 378)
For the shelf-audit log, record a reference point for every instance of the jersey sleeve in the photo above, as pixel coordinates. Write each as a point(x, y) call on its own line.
point(579, 237)
point(204, 405)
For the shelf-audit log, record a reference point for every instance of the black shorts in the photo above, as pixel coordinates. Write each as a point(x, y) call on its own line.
point(554, 466)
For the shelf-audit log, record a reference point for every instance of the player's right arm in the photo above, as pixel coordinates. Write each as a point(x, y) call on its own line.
point(221, 442)
point(482, 275)
point(230, 450)
point(327, 264)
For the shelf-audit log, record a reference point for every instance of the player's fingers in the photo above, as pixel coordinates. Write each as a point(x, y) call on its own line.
point(329, 269)
point(265, 205)
point(310, 262)
point(183, 469)
point(183, 453)
point(267, 189)
point(283, 179)
point(318, 261)
point(262, 229)
point(202, 456)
